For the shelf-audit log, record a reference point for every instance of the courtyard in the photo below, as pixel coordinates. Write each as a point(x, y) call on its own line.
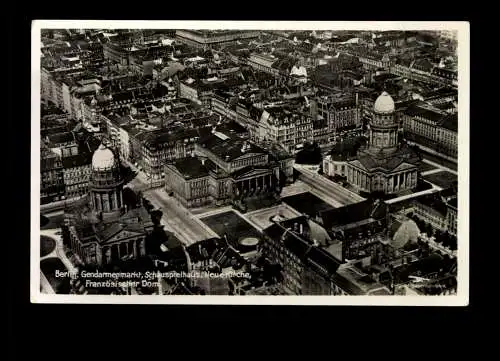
point(231, 224)
point(307, 203)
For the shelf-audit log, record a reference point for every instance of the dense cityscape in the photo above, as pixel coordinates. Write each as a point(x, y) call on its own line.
point(246, 162)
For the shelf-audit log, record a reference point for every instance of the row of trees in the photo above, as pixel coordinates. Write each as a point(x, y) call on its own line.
point(442, 237)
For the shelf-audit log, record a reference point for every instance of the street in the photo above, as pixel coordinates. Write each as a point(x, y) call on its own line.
point(175, 217)
point(178, 219)
point(324, 188)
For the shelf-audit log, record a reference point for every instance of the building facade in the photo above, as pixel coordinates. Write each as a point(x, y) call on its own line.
point(433, 129)
point(76, 173)
point(51, 179)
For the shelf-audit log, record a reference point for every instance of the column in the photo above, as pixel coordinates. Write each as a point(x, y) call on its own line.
point(111, 201)
point(118, 250)
point(401, 181)
point(134, 248)
point(98, 201)
point(115, 201)
point(126, 247)
point(396, 182)
point(121, 199)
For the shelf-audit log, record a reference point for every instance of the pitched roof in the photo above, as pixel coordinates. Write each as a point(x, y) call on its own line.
point(191, 168)
point(300, 245)
point(229, 148)
point(60, 138)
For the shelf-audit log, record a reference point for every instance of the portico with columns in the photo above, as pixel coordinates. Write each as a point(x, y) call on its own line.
point(130, 248)
point(254, 182)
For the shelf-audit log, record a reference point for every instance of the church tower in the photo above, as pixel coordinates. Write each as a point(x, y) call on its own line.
point(383, 127)
point(106, 183)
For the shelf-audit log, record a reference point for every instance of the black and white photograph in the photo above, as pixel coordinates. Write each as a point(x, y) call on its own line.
point(186, 162)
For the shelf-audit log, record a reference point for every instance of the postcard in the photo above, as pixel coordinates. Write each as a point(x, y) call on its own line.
point(250, 162)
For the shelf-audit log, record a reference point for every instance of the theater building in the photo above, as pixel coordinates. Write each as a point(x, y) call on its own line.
point(102, 229)
point(386, 165)
point(223, 169)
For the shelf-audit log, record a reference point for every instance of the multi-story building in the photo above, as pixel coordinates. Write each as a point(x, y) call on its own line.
point(306, 268)
point(432, 129)
point(371, 60)
point(189, 179)
point(310, 269)
point(76, 174)
point(264, 63)
point(164, 145)
point(51, 178)
point(341, 112)
point(209, 38)
point(286, 127)
point(63, 144)
point(438, 210)
point(422, 70)
point(452, 216)
point(359, 227)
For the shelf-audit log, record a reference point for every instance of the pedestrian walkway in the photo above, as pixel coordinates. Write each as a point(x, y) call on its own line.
point(413, 195)
point(213, 212)
point(432, 171)
point(46, 286)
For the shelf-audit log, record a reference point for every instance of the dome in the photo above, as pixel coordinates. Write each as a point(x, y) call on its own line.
point(103, 158)
point(384, 104)
point(404, 232)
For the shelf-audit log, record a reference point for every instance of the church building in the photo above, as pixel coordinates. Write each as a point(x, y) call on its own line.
point(102, 228)
point(386, 165)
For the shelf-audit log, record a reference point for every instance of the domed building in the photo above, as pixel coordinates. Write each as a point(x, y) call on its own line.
point(106, 182)
point(386, 165)
point(102, 228)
